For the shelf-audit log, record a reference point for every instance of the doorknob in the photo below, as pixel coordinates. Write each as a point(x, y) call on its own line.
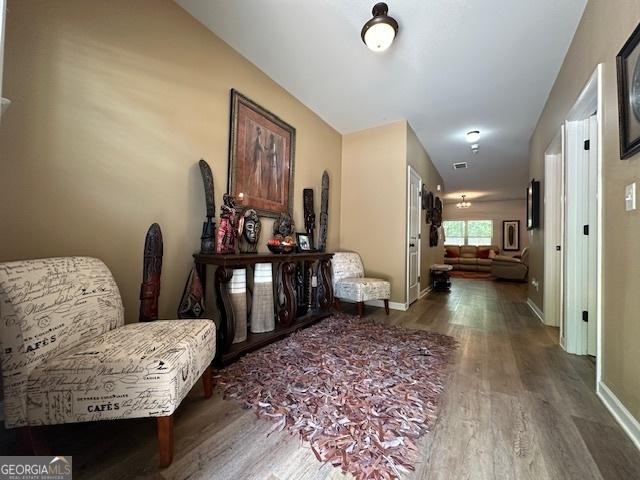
point(412, 244)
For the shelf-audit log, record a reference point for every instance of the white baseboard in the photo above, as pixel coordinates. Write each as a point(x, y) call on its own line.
point(392, 305)
point(536, 310)
point(425, 292)
point(627, 421)
point(379, 303)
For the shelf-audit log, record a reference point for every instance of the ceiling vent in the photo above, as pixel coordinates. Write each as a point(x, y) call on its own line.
point(460, 165)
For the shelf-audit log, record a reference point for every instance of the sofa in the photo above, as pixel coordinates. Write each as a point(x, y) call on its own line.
point(470, 258)
point(511, 268)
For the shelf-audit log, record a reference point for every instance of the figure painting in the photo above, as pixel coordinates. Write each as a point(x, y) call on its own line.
point(261, 158)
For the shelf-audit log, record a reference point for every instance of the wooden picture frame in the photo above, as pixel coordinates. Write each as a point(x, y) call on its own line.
point(628, 69)
point(511, 235)
point(261, 158)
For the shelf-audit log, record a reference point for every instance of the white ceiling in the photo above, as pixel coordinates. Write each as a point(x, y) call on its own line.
point(456, 65)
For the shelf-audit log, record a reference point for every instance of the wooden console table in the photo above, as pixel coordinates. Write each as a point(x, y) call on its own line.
point(227, 351)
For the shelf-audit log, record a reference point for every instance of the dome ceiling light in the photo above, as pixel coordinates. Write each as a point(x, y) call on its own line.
point(473, 136)
point(379, 32)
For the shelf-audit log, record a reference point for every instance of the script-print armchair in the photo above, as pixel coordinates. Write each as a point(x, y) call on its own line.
point(68, 357)
point(349, 282)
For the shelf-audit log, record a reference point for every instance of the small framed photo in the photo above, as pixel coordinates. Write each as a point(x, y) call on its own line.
point(304, 242)
point(628, 66)
point(511, 235)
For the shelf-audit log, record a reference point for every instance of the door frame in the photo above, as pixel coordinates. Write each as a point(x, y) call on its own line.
point(412, 172)
point(554, 165)
point(590, 99)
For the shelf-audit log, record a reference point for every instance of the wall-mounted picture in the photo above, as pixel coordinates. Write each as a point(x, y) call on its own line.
point(304, 242)
point(533, 205)
point(628, 63)
point(511, 235)
point(261, 158)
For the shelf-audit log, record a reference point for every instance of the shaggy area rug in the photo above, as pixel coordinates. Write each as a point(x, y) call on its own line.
point(360, 394)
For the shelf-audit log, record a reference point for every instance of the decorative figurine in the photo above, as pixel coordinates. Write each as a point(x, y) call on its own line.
point(284, 225)
point(250, 232)
point(151, 270)
point(309, 215)
point(228, 230)
point(324, 213)
point(207, 240)
point(192, 301)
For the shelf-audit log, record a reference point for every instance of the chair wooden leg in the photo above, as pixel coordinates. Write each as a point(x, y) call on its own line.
point(360, 309)
point(336, 304)
point(386, 306)
point(31, 441)
point(207, 382)
point(165, 440)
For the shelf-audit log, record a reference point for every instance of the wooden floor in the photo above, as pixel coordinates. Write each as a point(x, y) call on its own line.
point(516, 406)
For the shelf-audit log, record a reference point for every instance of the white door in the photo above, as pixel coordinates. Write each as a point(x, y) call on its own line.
point(592, 250)
point(581, 236)
point(413, 237)
point(553, 218)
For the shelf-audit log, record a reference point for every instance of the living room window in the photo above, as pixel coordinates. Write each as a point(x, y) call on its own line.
point(454, 232)
point(468, 232)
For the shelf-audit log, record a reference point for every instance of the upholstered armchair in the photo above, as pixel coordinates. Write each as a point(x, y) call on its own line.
point(349, 282)
point(511, 268)
point(68, 357)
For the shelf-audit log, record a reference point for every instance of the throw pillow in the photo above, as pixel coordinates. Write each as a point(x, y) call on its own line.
point(451, 252)
point(484, 252)
point(492, 254)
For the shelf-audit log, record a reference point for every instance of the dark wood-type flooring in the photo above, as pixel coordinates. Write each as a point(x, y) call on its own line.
point(516, 406)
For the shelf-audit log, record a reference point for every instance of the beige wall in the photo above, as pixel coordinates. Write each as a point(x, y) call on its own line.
point(497, 211)
point(419, 159)
point(604, 28)
point(373, 201)
point(114, 102)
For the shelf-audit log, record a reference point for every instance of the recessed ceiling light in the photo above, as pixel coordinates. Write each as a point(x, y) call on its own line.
point(379, 32)
point(473, 136)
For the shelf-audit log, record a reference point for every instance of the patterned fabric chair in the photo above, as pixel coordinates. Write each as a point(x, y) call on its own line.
point(68, 357)
point(349, 282)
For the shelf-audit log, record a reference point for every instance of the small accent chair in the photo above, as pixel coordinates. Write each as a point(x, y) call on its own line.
point(68, 357)
point(349, 282)
point(511, 268)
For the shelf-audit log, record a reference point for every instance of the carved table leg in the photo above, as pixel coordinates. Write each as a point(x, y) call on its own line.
point(288, 308)
point(201, 268)
point(325, 285)
point(227, 320)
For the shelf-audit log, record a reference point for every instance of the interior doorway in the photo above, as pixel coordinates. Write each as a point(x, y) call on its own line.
point(414, 187)
point(582, 286)
point(554, 232)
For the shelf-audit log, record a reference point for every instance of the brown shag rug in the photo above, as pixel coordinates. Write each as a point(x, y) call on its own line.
point(359, 393)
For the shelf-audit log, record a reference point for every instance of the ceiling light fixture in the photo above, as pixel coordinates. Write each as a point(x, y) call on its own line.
point(379, 32)
point(463, 203)
point(473, 136)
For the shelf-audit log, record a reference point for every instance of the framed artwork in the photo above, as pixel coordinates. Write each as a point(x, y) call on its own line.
point(304, 242)
point(628, 66)
point(261, 158)
point(533, 205)
point(511, 235)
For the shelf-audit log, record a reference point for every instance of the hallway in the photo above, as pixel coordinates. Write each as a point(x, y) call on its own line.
point(516, 406)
